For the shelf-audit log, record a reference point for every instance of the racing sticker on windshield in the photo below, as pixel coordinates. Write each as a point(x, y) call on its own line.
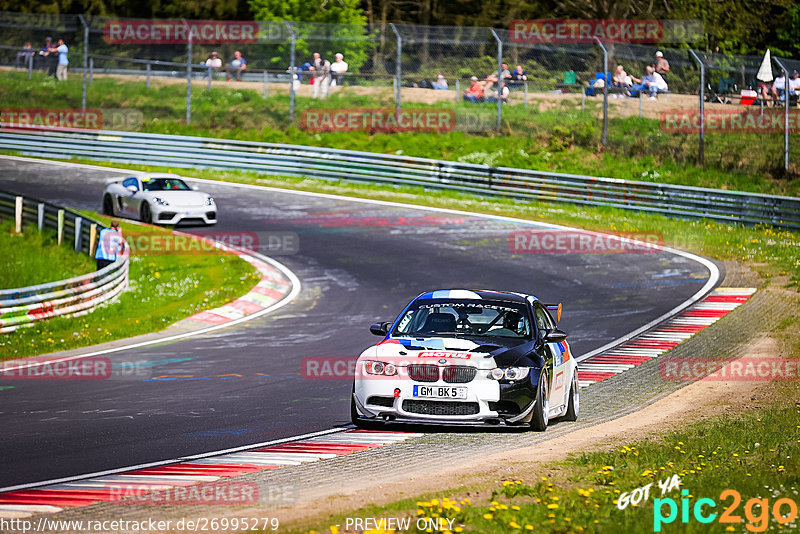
point(444, 354)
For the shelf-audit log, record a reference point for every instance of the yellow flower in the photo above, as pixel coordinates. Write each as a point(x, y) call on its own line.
point(487, 516)
point(552, 506)
point(458, 529)
point(514, 524)
point(334, 529)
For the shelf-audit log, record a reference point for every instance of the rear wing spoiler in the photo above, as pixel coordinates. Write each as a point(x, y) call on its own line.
point(556, 308)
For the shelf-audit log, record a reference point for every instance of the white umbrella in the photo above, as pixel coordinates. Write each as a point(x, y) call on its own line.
point(765, 70)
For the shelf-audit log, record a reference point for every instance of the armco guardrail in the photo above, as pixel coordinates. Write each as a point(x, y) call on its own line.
point(75, 296)
point(327, 163)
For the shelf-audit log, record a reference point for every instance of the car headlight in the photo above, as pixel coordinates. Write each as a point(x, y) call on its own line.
point(509, 373)
point(210, 201)
point(160, 201)
point(379, 368)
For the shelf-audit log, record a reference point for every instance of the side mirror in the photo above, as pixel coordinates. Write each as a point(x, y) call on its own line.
point(380, 329)
point(555, 336)
point(132, 188)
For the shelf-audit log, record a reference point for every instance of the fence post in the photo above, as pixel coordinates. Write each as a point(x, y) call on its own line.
point(399, 69)
point(92, 239)
point(18, 215)
point(499, 78)
point(85, 59)
point(91, 70)
point(786, 114)
point(292, 73)
point(605, 90)
point(40, 216)
point(526, 94)
point(30, 66)
point(147, 70)
point(210, 73)
point(188, 74)
point(78, 223)
point(60, 226)
point(701, 148)
point(458, 90)
point(266, 82)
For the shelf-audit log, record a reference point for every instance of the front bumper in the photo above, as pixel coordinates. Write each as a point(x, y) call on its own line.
point(182, 214)
point(487, 402)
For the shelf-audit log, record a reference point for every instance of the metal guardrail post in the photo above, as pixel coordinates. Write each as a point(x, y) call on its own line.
point(292, 73)
point(18, 215)
point(499, 78)
point(40, 216)
point(701, 147)
point(85, 59)
point(786, 114)
point(60, 228)
point(188, 73)
point(147, 74)
point(398, 69)
point(78, 223)
point(605, 90)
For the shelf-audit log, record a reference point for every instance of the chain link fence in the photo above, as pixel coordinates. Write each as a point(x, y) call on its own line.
point(477, 78)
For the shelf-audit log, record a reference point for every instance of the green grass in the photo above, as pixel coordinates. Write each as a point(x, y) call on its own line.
point(561, 140)
point(164, 288)
point(756, 454)
point(34, 258)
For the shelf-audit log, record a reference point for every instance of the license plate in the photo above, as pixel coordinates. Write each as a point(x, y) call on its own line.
point(440, 392)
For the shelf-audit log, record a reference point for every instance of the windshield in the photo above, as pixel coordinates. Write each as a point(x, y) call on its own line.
point(164, 184)
point(454, 317)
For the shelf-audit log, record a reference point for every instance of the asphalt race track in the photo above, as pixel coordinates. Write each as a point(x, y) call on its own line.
point(358, 263)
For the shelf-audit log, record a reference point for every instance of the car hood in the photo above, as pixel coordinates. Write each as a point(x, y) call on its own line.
point(180, 198)
point(454, 351)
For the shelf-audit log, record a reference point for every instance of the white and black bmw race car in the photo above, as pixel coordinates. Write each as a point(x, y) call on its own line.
point(468, 357)
point(158, 198)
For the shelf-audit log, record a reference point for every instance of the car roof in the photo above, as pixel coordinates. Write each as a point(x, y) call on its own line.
point(477, 294)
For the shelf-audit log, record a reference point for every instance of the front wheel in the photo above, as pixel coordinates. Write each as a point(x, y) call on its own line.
point(354, 416)
point(108, 205)
point(574, 399)
point(144, 213)
point(541, 415)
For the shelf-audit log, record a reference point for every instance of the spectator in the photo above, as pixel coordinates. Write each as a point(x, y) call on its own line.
point(504, 73)
point(662, 65)
point(214, 62)
point(322, 76)
point(489, 81)
point(652, 82)
point(519, 74)
point(50, 57)
point(110, 246)
point(475, 92)
point(503, 90)
point(440, 82)
point(338, 68)
point(779, 87)
point(794, 84)
point(24, 56)
point(62, 60)
point(238, 64)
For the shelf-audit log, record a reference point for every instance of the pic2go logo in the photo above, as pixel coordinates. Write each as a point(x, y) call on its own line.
point(756, 511)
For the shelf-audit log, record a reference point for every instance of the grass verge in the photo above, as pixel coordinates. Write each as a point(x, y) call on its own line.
point(164, 288)
point(34, 258)
point(561, 140)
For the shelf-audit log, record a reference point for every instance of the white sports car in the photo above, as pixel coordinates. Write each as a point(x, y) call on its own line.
point(468, 357)
point(158, 198)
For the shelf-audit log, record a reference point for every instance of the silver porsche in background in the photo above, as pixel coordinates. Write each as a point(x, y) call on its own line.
point(158, 198)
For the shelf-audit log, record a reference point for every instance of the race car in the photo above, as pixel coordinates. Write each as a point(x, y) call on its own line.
point(467, 357)
point(158, 198)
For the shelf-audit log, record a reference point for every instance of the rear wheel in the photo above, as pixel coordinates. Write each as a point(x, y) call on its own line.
point(144, 213)
point(574, 399)
point(541, 409)
point(108, 205)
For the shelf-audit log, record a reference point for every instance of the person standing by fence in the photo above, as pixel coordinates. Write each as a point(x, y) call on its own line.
point(110, 246)
point(322, 76)
point(63, 60)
